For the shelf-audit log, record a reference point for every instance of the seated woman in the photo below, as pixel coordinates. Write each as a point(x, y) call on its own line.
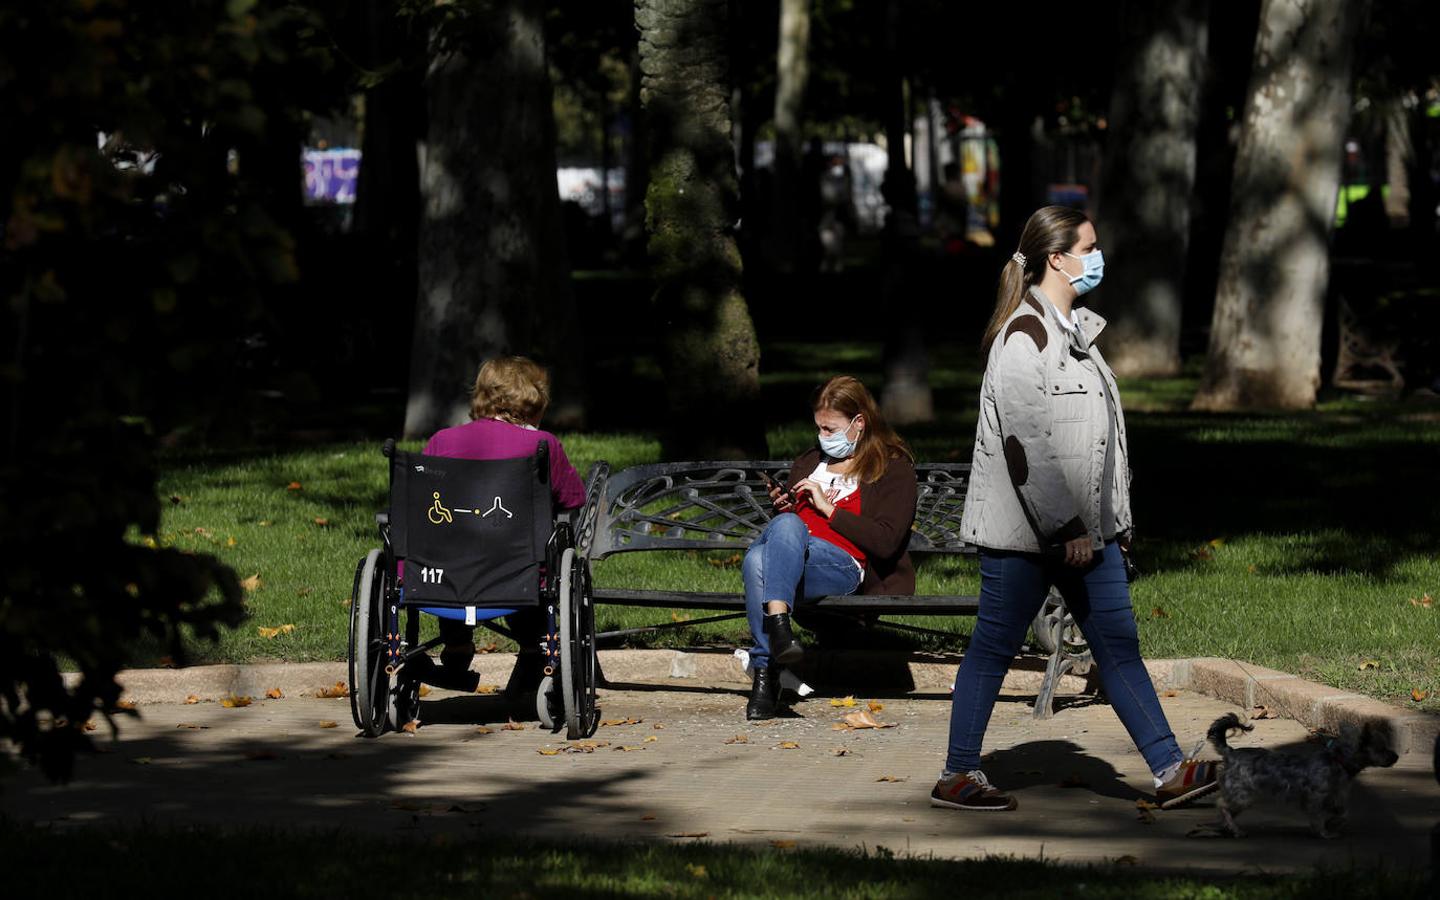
point(843, 525)
point(506, 405)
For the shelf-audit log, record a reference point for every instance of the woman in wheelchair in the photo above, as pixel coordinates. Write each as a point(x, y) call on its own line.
point(506, 405)
point(843, 525)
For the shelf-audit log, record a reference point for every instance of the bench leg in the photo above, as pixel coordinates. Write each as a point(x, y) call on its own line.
point(1059, 664)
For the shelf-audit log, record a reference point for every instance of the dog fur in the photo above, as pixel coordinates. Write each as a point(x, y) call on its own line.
point(1318, 782)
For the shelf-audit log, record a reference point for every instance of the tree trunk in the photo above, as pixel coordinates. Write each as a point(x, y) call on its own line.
point(710, 355)
point(1269, 308)
point(905, 397)
point(792, 71)
point(1399, 160)
point(494, 278)
point(1149, 173)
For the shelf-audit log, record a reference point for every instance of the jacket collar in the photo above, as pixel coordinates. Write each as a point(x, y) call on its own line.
point(1091, 323)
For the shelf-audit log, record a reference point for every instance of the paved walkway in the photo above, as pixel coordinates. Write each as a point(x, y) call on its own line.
point(691, 767)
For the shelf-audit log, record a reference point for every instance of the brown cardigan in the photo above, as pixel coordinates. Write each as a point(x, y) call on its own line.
point(882, 529)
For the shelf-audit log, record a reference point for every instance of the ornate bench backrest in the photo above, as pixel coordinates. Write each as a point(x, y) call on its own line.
point(724, 506)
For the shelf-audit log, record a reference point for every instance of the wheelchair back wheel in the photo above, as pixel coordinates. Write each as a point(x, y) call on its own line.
point(577, 647)
point(369, 685)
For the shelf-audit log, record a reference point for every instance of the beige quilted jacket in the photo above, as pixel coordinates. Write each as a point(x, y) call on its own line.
point(1049, 410)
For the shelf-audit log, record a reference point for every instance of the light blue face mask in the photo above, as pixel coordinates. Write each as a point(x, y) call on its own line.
point(1089, 278)
point(837, 445)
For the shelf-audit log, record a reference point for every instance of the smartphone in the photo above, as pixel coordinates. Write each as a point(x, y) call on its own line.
point(785, 492)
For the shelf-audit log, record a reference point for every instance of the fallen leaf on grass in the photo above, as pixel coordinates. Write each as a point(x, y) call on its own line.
point(737, 739)
point(234, 701)
point(633, 720)
point(892, 779)
point(1201, 553)
point(1159, 613)
point(424, 690)
point(276, 631)
point(787, 745)
point(335, 692)
point(676, 617)
point(548, 751)
point(481, 729)
point(304, 592)
point(322, 521)
point(650, 739)
point(192, 699)
point(842, 701)
point(1417, 695)
point(252, 583)
point(696, 870)
point(294, 486)
point(230, 541)
point(866, 719)
point(726, 563)
point(1263, 712)
point(1251, 569)
point(260, 755)
point(1368, 664)
point(783, 845)
point(513, 725)
point(1425, 601)
point(688, 834)
point(274, 694)
point(329, 723)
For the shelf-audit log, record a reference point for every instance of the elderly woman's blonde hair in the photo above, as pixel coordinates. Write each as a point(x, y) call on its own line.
point(510, 388)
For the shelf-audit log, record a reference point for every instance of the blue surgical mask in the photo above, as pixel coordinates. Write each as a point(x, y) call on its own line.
point(837, 445)
point(1093, 270)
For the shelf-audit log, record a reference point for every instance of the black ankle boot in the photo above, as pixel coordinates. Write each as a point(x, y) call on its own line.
point(784, 649)
point(764, 695)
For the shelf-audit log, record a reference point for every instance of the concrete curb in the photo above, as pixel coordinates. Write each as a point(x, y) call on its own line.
point(1313, 705)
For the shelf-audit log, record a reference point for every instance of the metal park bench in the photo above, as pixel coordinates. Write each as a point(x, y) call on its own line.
point(725, 505)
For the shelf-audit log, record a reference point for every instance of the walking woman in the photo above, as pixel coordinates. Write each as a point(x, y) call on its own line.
point(1049, 504)
point(843, 526)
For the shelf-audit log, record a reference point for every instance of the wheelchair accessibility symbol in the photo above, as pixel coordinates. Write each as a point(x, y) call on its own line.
point(437, 513)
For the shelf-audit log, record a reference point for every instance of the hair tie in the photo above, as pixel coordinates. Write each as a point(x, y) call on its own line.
point(1019, 258)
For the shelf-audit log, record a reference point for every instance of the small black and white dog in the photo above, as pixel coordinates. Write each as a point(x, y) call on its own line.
point(1319, 782)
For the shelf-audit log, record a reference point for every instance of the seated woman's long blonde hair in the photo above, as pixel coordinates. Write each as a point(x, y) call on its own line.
point(512, 389)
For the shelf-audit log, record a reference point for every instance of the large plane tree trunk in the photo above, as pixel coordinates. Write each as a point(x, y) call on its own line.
point(1274, 270)
point(1148, 176)
point(711, 357)
point(494, 277)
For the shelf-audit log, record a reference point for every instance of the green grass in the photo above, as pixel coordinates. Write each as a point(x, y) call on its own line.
point(1290, 541)
point(95, 862)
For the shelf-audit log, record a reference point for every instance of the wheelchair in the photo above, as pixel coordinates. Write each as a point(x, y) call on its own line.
point(471, 540)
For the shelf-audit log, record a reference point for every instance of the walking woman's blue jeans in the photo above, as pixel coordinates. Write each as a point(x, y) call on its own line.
point(1013, 587)
point(787, 564)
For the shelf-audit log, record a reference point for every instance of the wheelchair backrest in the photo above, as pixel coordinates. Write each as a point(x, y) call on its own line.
point(471, 532)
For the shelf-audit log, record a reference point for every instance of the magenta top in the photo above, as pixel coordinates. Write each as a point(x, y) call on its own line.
point(493, 439)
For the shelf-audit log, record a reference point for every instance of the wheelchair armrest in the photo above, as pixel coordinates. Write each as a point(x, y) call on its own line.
point(567, 516)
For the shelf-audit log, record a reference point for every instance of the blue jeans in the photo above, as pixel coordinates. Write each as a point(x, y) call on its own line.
point(1013, 587)
point(787, 564)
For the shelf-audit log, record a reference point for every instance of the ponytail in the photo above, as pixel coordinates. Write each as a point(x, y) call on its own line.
point(1050, 229)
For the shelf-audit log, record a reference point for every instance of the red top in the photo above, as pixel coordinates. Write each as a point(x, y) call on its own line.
point(820, 527)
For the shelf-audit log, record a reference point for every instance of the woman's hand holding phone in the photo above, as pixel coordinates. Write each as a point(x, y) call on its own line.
point(813, 492)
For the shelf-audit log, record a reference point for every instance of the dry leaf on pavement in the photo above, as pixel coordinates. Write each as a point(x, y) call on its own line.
point(633, 720)
point(842, 701)
point(840, 751)
point(548, 751)
point(192, 699)
point(513, 725)
point(892, 779)
point(329, 723)
point(486, 688)
point(335, 692)
point(424, 690)
point(874, 706)
point(1170, 693)
point(866, 719)
point(125, 704)
point(787, 745)
point(625, 748)
point(411, 726)
point(274, 694)
point(1263, 712)
point(235, 702)
point(737, 739)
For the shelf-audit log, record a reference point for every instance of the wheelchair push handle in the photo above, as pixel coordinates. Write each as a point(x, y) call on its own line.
point(387, 449)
